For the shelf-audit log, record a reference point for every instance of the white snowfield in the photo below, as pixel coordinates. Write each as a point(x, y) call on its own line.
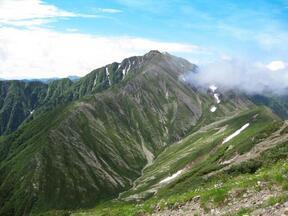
point(213, 88)
point(183, 78)
point(129, 66)
point(126, 70)
point(108, 75)
point(213, 109)
point(236, 133)
point(170, 178)
point(216, 96)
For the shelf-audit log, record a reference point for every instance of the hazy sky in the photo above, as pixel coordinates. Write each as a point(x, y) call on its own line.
point(52, 38)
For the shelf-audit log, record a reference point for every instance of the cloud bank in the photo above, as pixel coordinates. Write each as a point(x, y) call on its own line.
point(250, 77)
point(39, 52)
point(29, 48)
point(29, 12)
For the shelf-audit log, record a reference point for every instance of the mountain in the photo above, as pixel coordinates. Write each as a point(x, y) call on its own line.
point(55, 92)
point(17, 102)
point(43, 80)
point(73, 78)
point(278, 103)
point(48, 80)
point(133, 130)
point(62, 91)
point(210, 150)
point(236, 165)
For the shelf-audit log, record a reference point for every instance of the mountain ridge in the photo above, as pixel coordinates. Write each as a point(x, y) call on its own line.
point(90, 140)
point(133, 107)
point(62, 91)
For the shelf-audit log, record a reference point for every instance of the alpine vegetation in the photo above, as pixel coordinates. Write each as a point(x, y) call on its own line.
point(143, 108)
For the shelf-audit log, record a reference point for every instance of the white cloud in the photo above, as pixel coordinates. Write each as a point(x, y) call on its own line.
point(72, 30)
point(109, 10)
point(244, 75)
point(27, 22)
point(40, 52)
point(28, 10)
point(32, 13)
point(35, 51)
point(276, 65)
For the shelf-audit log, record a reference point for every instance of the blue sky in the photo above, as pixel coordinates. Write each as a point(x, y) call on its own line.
point(236, 27)
point(199, 30)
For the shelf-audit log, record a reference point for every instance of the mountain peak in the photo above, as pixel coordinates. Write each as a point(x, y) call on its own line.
point(153, 53)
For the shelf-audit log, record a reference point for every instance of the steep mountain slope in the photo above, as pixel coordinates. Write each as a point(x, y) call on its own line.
point(121, 129)
point(17, 102)
point(94, 148)
point(218, 170)
point(207, 150)
point(278, 103)
point(20, 98)
point(16, 95)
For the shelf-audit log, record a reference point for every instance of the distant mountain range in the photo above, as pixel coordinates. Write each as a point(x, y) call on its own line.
point(45, 80)
point(134, 131)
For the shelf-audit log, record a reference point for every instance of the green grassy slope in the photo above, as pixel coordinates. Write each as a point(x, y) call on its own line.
point(203, 152)
point(273, 175)
point(90, 150)
point(202, 155)
point(278, 103)
point(17, 100)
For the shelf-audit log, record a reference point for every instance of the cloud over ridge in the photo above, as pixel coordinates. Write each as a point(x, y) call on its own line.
point(250, 77)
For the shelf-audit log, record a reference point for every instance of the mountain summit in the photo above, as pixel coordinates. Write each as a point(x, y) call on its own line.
point(20, 98)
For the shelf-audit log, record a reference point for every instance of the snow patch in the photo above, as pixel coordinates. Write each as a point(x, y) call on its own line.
point(108, 75)
point(216, 96)
point(236, 133)
point(182, 78)
point(213, 109)
point(170, 178)
point(167, 95)
point(128, 67)
point(31, 112)
point(95, 81)
point(126, 70)
point(213, 88)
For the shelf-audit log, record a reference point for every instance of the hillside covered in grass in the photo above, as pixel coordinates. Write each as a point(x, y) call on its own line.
point(247, 175)
point(135, 138)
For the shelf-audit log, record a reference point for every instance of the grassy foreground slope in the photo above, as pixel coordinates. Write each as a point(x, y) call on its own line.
point(252, 164)
point(222, 195)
